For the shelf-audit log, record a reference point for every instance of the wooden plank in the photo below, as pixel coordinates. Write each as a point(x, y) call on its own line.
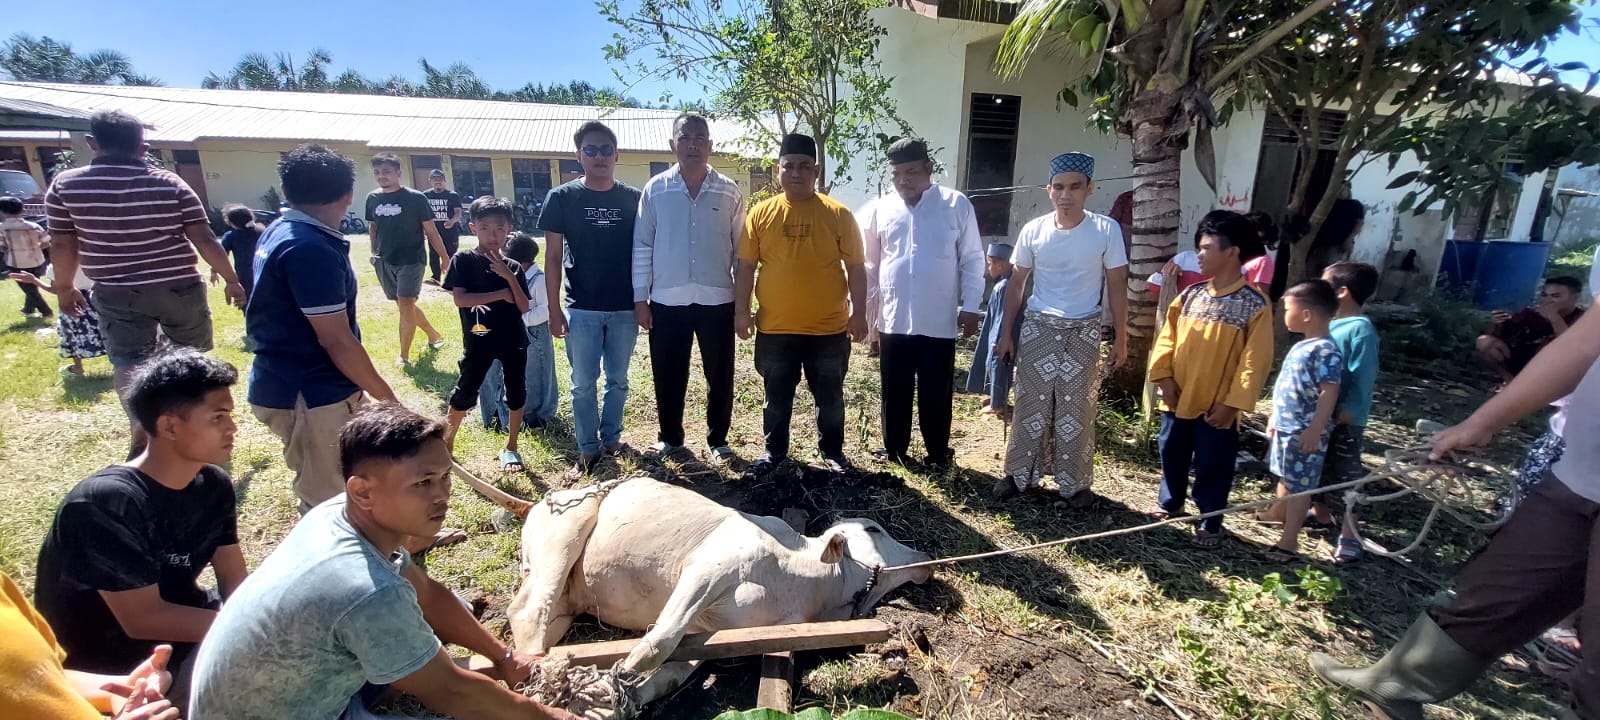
point(730, 643)
point(776, 690)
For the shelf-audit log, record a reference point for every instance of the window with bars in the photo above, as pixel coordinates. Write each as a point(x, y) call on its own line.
point(474, 176)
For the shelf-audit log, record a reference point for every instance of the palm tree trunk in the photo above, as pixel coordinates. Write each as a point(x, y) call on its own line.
point(1156, 212)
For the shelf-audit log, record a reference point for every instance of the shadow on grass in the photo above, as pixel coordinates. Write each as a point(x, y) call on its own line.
point(430, 378)
point(27, 324)
point(245, 477)
point(84, 389)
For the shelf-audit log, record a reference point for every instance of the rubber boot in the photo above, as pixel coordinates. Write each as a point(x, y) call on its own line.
point(1426, 666)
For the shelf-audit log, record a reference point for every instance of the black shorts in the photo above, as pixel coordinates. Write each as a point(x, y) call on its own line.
point(475, 361)
point(1343, 462)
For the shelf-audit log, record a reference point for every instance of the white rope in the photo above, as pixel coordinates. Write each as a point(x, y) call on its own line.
point(584, 690)
point(1400, 473)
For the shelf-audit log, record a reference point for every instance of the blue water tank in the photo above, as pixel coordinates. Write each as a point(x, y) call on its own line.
point(1509, 274)
point(1459, 265)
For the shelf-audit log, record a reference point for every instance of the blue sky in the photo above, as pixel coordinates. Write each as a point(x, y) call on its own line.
point(508, 43)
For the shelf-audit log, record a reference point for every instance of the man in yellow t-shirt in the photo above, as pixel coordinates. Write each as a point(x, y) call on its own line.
point(33, 683)
point(812, 301)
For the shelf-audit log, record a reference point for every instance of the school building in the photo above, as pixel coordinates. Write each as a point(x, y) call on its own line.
point(226, 143)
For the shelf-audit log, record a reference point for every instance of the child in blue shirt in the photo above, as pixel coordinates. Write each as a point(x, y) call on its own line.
point(240, 242)
point(1357, 338)
point(542, 398)
point(991, 374)
point(1303, 401)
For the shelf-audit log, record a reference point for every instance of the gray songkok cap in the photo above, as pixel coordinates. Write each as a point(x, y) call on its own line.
point(907, 150)
point(1073, 162)
point(1000, 251)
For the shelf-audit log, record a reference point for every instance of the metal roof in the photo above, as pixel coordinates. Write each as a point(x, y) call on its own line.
point(184, 115)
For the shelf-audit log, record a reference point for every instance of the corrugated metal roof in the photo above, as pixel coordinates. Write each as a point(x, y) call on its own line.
point(184, 115)
point(28, 107)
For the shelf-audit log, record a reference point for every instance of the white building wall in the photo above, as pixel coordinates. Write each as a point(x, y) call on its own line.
point(239, 176)
point(1521, 225)
point(926, 60)
point(922, 55)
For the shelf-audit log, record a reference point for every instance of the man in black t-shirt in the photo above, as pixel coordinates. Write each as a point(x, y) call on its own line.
point(446, 206)
point(491, 293)
point(119, 570)
point(588, 230)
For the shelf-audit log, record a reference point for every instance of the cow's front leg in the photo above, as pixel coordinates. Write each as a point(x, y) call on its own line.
point(700, 586)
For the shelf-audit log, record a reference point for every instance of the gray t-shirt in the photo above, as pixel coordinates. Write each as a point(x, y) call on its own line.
point(1579, 466)
point(325, 614)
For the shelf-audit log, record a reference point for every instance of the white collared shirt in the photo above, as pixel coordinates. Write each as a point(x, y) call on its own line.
point(924, 262)
point(684, 247)
point(538, 302)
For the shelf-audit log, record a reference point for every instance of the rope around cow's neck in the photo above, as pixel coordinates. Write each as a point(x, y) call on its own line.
point(1416, 460)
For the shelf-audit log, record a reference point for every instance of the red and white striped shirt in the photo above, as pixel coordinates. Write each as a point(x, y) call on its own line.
point(129, 221)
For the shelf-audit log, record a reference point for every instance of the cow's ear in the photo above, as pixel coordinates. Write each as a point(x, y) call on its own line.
point(836, 549)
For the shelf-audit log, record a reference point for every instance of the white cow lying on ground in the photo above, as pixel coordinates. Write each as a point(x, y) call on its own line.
point(643, 555)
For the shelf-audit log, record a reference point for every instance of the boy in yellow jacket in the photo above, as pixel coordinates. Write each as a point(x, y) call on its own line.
point(1211, 362)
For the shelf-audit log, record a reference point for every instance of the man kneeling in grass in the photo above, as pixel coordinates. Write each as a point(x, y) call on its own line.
point(119, 571)
point(339, 611)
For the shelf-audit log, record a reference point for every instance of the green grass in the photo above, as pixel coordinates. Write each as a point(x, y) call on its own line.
point(1207, 629)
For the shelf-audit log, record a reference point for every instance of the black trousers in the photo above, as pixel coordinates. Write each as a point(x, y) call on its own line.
point(780, 360)
point(452, 243)
point(674, 331)
point(924, 365)
point(31, 298)
point(476, 357)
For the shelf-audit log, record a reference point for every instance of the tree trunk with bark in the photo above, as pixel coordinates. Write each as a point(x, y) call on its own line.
point(1159, 130)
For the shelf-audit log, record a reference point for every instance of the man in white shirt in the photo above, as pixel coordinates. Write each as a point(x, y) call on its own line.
point(1074, 256)
point(924, 279)
point(684, 242)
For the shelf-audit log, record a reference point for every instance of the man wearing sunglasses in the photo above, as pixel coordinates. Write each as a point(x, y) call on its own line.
point(588, 225)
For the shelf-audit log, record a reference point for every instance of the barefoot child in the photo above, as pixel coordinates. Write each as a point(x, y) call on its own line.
point(79, 335)
point(992, 374)
point(490, 292)
point(1210, 361)
point(1303, 400)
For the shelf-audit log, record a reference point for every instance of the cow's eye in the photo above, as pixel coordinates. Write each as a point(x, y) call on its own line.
point(873, 530)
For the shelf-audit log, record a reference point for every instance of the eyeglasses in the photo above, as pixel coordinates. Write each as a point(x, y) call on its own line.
point(599, 151)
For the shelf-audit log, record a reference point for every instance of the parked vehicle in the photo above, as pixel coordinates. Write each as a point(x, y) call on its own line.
point(22, 186)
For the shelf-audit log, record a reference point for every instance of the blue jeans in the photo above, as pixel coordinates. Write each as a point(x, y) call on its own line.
point(542, 401)
point(1210, 451)
point(595, 340)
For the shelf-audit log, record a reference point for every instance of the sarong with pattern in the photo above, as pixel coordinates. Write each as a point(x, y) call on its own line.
point(1057, 386)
